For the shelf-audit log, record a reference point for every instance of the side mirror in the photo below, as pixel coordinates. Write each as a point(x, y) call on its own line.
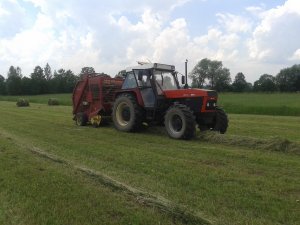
point(183, 79)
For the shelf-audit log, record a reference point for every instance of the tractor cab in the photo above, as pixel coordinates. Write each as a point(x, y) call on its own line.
point(151, 81)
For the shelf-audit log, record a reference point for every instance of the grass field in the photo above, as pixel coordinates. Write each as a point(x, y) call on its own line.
point(64, 99)
point(222, 183)
point(283, 104)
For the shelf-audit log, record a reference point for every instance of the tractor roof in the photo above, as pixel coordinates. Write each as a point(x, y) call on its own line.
point(146, 66)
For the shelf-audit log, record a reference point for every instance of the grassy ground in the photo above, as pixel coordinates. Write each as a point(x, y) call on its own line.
point(35, 191)
point(226, 184)
point(262, 126)
point(284, 104)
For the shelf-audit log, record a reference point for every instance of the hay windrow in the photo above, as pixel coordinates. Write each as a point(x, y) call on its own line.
point(177, 212)
point(273, 144)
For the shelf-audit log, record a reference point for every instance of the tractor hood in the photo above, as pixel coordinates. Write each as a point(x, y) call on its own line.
point(190, 93)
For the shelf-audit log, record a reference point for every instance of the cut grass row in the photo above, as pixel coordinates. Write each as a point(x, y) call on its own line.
point(230, 185)
point(284, 104)
point(35, 191)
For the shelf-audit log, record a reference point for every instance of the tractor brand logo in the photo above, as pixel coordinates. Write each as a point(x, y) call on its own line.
point(189, 95)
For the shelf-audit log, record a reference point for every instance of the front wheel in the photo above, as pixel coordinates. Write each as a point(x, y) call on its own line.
point(180, 122)
point(221, 121)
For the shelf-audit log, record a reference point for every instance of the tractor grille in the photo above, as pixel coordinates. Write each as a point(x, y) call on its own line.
point(194, 104)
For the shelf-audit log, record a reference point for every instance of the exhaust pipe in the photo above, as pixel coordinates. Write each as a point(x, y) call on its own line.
point(186, 86)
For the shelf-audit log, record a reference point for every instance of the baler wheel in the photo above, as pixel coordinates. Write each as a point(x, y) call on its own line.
point(81, 119)
point(127, 114)
point(180, 122)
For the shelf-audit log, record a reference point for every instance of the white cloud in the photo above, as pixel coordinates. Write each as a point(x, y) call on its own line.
point(234, 23)
point(38, 3)
point(4, 12)
point(295, 56)
point(179, 3)
point(212, 35)
point(257, 10)
point(67, 39)
point(254, 9)
point(276, 37)
point(114, 35)
point(170, 40)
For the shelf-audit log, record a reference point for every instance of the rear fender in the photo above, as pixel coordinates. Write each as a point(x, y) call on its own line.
point(135, 92)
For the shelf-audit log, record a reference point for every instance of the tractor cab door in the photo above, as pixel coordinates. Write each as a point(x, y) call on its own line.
point(144, 84)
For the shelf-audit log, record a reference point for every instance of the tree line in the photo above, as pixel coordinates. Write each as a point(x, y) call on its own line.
point(206, 74)
point(40, 81)
point(211, 74)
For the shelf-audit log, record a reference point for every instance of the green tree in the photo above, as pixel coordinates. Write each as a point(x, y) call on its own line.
point(27, 86)
point(249, 87)
point(288, 79)
point(240, 84)
point(58, 81)
point(266, 83)
point(70, 81)
point(211, 72)
point(14, 81)
point(63, 81)
point(223, 80)
point(48, 72)
point(87, 70)
point(38, 81)
point(2, 85)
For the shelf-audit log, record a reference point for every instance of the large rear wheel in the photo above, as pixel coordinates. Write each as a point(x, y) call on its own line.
point(127, 114)
point(180, 122)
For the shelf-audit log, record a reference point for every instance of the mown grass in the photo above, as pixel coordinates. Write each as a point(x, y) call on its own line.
point(35, 191)
point(227, 184)
point(284, 104)
point(262, 126)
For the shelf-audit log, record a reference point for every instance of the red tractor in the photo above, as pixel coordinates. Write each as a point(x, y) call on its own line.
point(151, 94)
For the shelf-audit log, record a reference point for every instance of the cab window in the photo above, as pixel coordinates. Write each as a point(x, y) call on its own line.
point(130, 81)
point(143, 78)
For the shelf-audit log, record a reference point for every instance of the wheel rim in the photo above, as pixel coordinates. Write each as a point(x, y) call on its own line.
point(123, 114)
point(176, 123)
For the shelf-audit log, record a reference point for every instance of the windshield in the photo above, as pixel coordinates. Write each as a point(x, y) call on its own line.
point(165, 81)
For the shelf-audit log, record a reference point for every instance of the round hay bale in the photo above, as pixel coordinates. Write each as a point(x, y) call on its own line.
point(53, 101)
point(22, 102)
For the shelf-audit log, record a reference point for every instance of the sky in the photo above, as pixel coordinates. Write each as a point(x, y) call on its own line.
point(253, 37)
